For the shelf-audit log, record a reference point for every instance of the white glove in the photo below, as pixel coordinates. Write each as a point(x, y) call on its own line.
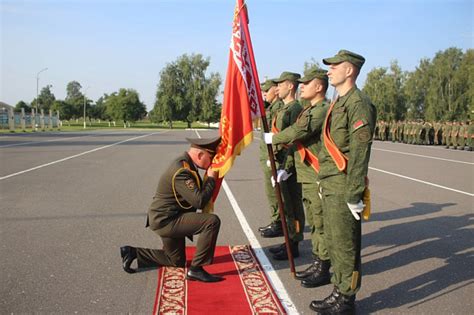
point(268, 163)
point(356, 209)
point(273, 181)
point(282, 175)
point(267, 137)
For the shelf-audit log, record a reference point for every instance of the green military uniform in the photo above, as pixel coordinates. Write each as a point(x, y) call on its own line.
point(307, 131)
point(470, 136)
point(270, 111)
point(290, 189)
point(447, 131)
point(172, 215)
point(351, 126)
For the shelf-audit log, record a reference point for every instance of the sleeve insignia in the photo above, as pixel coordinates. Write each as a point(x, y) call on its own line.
point(190, 184)
point(358, 124)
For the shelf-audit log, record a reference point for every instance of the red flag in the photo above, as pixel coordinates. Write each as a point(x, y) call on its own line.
point(242, 96)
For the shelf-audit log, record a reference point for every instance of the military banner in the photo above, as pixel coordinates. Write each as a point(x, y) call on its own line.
point(242, 96)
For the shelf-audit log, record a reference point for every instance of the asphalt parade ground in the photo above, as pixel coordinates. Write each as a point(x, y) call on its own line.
point(70, 200)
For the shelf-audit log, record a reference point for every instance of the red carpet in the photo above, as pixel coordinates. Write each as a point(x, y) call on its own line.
point(245, 289)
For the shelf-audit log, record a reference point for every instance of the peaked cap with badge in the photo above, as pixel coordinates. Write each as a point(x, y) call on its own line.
point(208, 144)
point(265, 86)
point(314, 74)
point(286, 75)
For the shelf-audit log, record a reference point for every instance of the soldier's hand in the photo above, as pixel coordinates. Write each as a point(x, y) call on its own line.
point(283, 175)
point(356, 209)
point(212, 173)
point(273, 181)
point(268, 164)
point(267, 137)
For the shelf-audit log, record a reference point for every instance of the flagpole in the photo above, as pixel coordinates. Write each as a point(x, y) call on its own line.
point(271, 155)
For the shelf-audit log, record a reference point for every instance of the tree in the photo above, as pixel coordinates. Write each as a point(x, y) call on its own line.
point(46, 99)
point(65, 109)
point(98, 111)
point(75, 98)
point(210, 109)
point(21, 105)
point(125, 105)
point(182, 86)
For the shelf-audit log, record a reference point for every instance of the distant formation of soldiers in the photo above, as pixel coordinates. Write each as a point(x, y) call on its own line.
point(457, 135)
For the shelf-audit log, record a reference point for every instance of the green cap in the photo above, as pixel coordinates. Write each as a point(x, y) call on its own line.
point(345, 55)
point(267, 85)
point(290, 76)
point(207, 144)
point(314, 74)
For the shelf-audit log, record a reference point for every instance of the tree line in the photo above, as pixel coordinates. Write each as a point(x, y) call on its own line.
point(439, 89)
point(184, 93)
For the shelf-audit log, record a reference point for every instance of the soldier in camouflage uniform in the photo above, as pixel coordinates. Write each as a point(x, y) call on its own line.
point(172, 215)
point(447, 132)
point(470, 136)
point(290, 188)
point(305, 133)
point(272, 105)
point(344, 162)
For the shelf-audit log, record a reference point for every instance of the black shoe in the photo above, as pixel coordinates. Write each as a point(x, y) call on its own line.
point(277, 249)
point(335, 303)
point(320, 277)
point(283, 255)
point(199, 274)
point(129, 254)
point(300, 275)
point(274, 231)
point(266, 227)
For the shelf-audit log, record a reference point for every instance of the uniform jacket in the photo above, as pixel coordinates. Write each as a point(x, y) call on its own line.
point(180, 189)
point(352, 125)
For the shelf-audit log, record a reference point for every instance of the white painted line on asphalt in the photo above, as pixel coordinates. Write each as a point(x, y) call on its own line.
point(51, 140)
point(74, 156)
point(422, 181)
point(267, 267)
point(423, 156)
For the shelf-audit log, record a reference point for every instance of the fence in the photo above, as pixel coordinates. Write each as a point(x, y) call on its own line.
point(11, 120)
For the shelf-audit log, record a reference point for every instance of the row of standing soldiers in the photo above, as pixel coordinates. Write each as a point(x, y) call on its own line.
point(452, 134)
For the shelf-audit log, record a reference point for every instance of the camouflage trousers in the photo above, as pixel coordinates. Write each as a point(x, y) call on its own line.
point(314, 217)
point(269, 190)
point(342, 234)
point(293, 207)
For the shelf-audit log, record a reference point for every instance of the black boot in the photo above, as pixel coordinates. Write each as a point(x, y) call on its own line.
point(129, 254)
point(320, 277)
point(335, 304)
point(274, 231)
point(266, 227)
point(300, 275)
point(277, 249)
point(283, 255)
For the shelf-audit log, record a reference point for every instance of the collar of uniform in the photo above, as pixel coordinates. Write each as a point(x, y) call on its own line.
point(288, 105)
point(343, 99)
point(190, 161)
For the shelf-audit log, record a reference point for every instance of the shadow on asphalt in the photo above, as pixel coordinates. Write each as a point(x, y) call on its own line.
point(448, 238)
point(77, 217)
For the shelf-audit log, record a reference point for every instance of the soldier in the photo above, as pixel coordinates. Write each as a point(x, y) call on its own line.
point(448, 130)
point(454, 134)
point(470, 136)
point(401, 126)
point(172, 215)
point(462, 135)
point(290, 188)
point(344, 163)
point(273, 104)
point(305, 133)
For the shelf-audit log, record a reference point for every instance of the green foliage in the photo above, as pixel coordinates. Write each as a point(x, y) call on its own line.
point(438, 89)
point(98, 111)
point(65, 109)
point(125, 105)
point(45, 99)
point(21, 105)
point(185, 93)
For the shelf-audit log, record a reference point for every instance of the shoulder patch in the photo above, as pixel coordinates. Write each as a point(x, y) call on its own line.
point(358, 124)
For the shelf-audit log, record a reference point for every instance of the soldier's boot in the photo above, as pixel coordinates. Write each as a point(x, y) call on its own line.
point(274, 231)
point(266, 227)
point(283, 255)
point(320, 277)
point(335, 303)
point(129, 254)
point(277, 249)
point(300, 275)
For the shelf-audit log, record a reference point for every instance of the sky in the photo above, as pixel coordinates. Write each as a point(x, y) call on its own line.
point(106, 45)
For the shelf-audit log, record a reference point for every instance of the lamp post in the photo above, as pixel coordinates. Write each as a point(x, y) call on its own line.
point(85, 106)
point(37, 84)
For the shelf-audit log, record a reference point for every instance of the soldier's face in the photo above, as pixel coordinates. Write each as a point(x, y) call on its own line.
point(283, 89)
point(271, 94)
point(310, 89)
point(204, 160)
point(338, 73)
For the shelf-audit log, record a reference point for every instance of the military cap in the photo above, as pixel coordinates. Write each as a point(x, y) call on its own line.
point(314, 74)
point(290, 76)
point(268, 84)
point(345, 55)
point(207, 144)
